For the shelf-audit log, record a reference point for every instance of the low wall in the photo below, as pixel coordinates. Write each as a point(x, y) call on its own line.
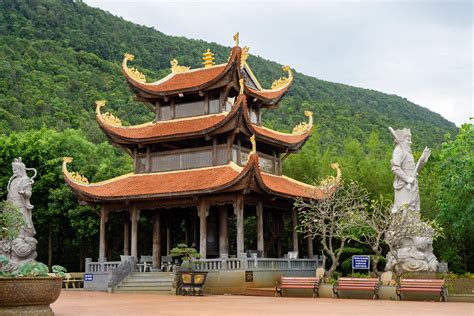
point(99, 281)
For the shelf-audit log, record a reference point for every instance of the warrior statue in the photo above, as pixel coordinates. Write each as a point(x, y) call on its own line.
point(22, 248)
point(410, 239)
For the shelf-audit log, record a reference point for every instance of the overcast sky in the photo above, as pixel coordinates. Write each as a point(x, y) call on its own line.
point(420, 50)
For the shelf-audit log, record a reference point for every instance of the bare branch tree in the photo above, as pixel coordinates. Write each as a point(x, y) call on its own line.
point(331, 218)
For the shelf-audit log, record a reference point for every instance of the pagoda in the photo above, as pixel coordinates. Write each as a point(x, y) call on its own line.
point(204, 159)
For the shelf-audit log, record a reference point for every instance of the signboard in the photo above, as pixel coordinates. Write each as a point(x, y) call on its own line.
point(88, 277)
point(360, 262)
point(248, 276)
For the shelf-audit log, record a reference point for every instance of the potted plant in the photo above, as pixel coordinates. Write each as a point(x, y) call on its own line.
point(27, 288)
point(190, 282)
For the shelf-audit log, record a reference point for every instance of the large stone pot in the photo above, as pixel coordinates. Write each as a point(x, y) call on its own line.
point(29, 296)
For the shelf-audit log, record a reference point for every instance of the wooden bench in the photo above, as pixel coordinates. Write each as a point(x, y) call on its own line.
point(357, 284)
point(298, 283)
point(74, 280)
point(423, 286)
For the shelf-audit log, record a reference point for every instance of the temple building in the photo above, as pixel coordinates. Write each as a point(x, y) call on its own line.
point(205, 163)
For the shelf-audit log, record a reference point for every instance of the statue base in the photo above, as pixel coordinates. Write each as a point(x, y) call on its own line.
point(18, 251)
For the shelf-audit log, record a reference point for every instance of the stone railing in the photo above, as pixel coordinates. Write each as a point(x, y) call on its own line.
point(120, 272)
point(101, 266)
point(257, 264)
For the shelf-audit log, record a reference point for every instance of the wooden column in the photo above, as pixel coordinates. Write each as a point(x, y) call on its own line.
point(104, 214)
point(278, 215)
point(156, 253)
point(259, 218)
point(168, 237)
point(203, 212)
point(223, 231)
point(134, 216)
point(310, 246)
point(126, 235)
point(239, 213)
point(294, 233)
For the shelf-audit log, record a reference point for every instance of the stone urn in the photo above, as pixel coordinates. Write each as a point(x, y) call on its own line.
point(29, 295)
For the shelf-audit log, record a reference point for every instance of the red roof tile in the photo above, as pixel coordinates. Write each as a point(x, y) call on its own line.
point(283, 137)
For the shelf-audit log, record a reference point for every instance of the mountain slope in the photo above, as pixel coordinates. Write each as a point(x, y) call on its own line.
point(58, 57)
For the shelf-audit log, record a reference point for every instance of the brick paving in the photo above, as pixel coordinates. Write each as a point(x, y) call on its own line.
point(103, 304)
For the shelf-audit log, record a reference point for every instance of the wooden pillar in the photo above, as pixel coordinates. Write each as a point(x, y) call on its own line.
point(259, 217)
point(310, 246)
point(104, 214)
point(279, 223)
point(156, 252)
point(203, 212)
point(134, 216)
point(223, 231)
point(126, 235)
point(239, 213)
point(168, 237)
point(294, 233)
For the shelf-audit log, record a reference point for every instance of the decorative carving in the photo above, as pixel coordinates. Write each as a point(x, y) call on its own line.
point(75, 176)
point(304, 127)
point(241, 83)
point(282, 81)
point(108, 117)
point(132, 72)
point(254, 144)
point(208, 59)
point(236, 39)
point(175, 68)
point(244, 55)
point(331, 180)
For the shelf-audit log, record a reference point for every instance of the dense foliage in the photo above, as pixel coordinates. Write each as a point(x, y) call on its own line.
point(58, 57)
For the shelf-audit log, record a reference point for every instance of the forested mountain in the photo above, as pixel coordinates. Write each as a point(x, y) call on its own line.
point(58, 57)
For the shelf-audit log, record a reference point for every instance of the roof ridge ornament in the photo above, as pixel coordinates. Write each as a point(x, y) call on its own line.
point(132, 72)
point(331, 180)
point(244, 55)
point(236, 39)
point(304, 127)
point(254, 144)
point(75, 176)
point(208, 59)
point(241, 83)
point(175, 68)
point(280, 82)
point(107, 117)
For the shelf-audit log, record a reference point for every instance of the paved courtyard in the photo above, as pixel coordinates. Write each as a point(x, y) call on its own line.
point(98, 303)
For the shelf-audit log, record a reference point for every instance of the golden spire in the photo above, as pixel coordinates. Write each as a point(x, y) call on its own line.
point(236, 39)
point(132, 72)
point(108, 117)
point(283, 80)
point(75, 176)
point(254, 144)
point(244, 55)
point(304, 127)
point(175, 68)
point(331, 180)
point(241, 82)
point(208, 59)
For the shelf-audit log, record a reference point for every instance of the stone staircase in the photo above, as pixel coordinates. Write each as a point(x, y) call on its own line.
point(147, 282)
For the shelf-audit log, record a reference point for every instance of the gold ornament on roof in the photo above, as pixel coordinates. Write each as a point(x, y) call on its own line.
point(208, 59)
point(108, 117)
point(304, 127)
point(282, 81)
point(254, 144)
point(244, 55)
point(331, 180)
point(236, 39)
point(132, 72)
point(241, 83)
point(77, 177)
point(175, 68)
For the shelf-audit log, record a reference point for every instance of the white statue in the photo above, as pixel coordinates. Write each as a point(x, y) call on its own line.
point(410, 240)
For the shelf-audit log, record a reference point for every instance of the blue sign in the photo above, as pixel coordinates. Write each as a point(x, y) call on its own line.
point(361, 262)
point(88, 277)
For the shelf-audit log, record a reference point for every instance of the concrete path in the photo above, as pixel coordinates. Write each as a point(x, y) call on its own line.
point(103, 304)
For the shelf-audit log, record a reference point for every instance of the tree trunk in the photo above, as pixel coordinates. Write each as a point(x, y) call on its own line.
point(50, 247)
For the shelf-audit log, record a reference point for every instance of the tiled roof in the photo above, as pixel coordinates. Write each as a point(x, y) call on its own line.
point(268, 94)
point(283, 137)
point(289, 186)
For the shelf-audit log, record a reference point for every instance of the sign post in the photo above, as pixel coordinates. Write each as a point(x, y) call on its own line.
point(361, 263)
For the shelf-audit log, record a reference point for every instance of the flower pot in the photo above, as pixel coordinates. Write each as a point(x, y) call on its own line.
point(29, 296)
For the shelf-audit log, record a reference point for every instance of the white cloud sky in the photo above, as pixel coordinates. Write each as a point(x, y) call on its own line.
point(420, 50)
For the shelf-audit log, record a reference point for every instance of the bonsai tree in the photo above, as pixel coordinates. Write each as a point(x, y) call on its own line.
point(185, 254)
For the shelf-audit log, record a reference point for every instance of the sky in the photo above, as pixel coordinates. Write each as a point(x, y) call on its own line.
point(419, 50)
